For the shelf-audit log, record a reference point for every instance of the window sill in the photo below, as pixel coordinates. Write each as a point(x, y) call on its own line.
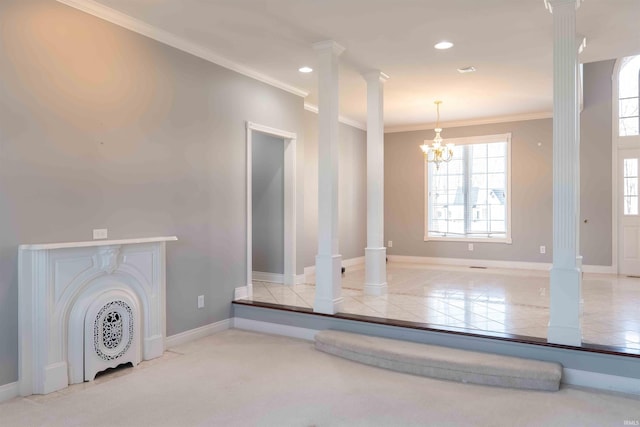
point(506, 241)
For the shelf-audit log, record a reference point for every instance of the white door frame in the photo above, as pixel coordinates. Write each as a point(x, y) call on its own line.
point(290, 141)
point(623, 153)
point(618, 144)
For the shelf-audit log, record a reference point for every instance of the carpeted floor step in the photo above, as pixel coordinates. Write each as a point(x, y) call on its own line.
point(442, 362)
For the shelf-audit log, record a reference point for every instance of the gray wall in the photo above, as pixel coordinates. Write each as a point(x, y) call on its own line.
point(531, 181)
point(352, 205)
point(595, 164)
point(531, 214)
point(104, 128)
point(267, 177)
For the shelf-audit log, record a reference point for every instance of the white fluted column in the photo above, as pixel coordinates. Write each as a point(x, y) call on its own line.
point(375, 282)
point(328, 261)
point(566, 273)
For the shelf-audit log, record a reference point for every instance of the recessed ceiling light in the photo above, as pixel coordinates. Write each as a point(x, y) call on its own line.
point(466, 70)
point(305, 69)
point(443, 45)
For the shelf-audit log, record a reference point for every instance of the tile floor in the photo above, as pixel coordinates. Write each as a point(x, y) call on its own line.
point(492, 300)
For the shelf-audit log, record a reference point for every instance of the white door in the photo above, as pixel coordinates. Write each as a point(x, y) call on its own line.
point(628, 213)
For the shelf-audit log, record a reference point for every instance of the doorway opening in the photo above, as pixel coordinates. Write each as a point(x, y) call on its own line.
point(275, 198)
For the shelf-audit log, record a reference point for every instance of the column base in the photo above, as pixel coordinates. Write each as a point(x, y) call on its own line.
point(565, 308)
point(375, 282)
point(328, 284)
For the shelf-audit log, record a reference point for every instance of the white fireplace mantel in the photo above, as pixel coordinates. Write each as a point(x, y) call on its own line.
point(60, 285)
point(66, 245)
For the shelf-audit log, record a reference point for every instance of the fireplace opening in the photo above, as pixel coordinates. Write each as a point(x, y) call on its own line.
point(121, 369)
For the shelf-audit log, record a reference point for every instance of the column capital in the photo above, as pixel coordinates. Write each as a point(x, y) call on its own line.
point(550, 4)
point(329, 45)
point(581, 41)
point(373, 75)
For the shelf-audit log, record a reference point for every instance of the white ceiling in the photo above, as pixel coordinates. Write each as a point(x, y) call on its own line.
point(509, 42)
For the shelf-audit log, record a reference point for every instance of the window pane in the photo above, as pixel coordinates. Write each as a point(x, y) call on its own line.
point(479, 180)
point(628, 107)
point(455, 182)
point(631, 186)
point(478, 196)
point(497, 212)
point(497, 149)
point(629, 127)
point(498, 196)
point(455, 166)
point(496, 164)
point(498, 227)
point(631, 205)
point(479, 150)
point(496, 180)
point(628, 78)
point(630, 167)
point(479, 165)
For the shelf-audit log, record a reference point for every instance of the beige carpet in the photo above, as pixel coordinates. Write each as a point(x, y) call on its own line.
point(238, 378)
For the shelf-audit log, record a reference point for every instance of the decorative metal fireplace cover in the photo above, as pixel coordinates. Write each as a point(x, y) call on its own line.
point(110, 315)
point(113, 330)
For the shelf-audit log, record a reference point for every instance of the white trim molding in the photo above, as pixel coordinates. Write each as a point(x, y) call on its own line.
point(463, 123)
point(596, 380)
point(514, 265)
point(262, 276)
point(241, 292)
point(197, 333)
point(8, 391)
point(137, 26)
point(351, 262)
point(345, 120)
point(290, 197)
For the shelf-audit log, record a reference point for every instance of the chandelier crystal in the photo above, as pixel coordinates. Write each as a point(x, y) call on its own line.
point(436, 152)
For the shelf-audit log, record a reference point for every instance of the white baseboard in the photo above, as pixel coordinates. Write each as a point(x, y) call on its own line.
point(351, 262)
point(8, 391)
point(600, 269)
point(573, 377)
point(601, 381)
point(517, 265)
point(197, 333)
point(300, 279)
point(262, 276)
point(274, 328)
point(241, 292)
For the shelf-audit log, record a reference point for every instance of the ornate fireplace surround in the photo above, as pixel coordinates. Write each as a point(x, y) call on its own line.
point(88, 306)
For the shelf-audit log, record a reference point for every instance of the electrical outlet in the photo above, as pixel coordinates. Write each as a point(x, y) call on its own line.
point(543, 249)
point(200, 301)
point(470, 247)
point(99, 233)
point(390, 245)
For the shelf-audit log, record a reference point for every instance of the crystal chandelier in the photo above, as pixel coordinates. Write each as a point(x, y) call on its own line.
point(436, 152)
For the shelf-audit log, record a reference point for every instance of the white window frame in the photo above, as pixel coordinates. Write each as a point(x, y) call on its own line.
point(626, 141)
point(483, 139)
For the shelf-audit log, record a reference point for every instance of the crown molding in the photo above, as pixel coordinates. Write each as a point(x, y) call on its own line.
point(462, 123)
point(329, 45)
point(125, 21)
point(347, 121)
point(375, 75)
point(548, 4)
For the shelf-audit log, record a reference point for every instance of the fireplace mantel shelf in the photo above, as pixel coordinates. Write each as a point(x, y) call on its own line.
point(66, 245)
